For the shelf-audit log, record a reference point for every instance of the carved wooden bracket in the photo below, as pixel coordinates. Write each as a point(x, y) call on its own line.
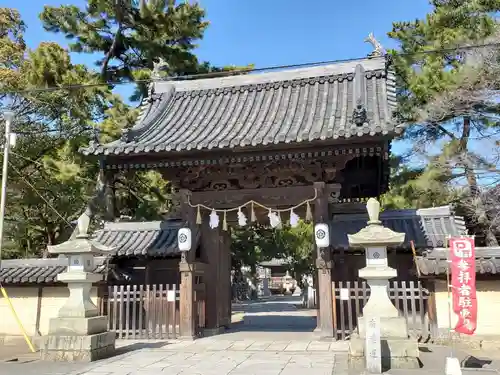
point(271, 174)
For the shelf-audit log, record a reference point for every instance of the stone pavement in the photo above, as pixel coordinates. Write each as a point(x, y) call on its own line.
point(207, 356)
point(274, 337)
point(222, 356)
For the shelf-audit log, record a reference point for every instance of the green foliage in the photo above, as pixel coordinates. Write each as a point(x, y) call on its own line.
point(258, 243)
point(447, 98)
point(417, 187)
point(130, 35)
point(50, 183)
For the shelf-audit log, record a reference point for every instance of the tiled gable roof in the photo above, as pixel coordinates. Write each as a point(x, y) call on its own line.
point(291, 106)
point(151, 238)
point(434, 262)
point(38, 271)
point(427, 227)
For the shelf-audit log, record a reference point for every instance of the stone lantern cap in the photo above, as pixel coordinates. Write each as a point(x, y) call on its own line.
point(80, 253)
point(82, 244)
point(375, 234)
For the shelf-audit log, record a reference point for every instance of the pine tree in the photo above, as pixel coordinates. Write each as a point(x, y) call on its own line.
point(446, 95)
point(130, 35)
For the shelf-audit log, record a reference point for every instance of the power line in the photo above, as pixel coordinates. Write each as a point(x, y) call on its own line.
point(84, 179)
point(40, 195)
point(49, 167)
point(239, 71)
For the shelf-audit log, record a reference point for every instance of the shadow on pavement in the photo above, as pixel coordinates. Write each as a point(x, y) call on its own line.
point(275, 323)
point(433, 359)
point(274, 314)
point(127, 348)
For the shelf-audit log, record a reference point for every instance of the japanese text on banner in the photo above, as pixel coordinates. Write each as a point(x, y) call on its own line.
point(463, 283)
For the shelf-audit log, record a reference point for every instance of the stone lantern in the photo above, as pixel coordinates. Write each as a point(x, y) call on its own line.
point(387, 344)
point(78, 333)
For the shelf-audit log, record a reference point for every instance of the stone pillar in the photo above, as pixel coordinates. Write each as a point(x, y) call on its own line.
point(324, 266)
point(78, 333)
point(388, 345)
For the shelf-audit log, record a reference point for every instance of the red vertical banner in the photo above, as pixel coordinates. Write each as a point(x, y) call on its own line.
point(463, 283)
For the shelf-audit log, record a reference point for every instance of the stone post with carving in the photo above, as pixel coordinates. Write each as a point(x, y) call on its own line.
point(387, 344)
point(78, 333)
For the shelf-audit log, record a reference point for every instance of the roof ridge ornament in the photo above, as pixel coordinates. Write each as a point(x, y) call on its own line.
point(125, 135)
point(158, 67)
point(378, 50)
point(359, 116)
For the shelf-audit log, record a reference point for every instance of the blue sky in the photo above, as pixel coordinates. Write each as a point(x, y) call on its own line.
point(270, 32)
point(273, 32)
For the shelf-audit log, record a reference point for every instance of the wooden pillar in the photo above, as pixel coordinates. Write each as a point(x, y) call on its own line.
point(226, 279)
point(216, 254)
point(186, 269)
point(211, 249)
point(324, 267)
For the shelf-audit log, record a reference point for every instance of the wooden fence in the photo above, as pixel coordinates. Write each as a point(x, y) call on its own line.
point(410, 298)
point(142, 311)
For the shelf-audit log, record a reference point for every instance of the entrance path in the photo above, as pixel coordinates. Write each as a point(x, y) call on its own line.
point(274, 337)
point(282, 314)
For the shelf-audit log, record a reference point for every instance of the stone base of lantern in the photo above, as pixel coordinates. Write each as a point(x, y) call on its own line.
point(73, 348)
point(395, 327)
point(398, 350)
point(78, 339)
point(396, 353)
point(78, 326)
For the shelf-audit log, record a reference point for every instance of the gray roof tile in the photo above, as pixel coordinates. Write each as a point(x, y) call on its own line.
point(428, 227)
point(290, 106)
point(434, 262)
point(36, 271)
point(153, 238)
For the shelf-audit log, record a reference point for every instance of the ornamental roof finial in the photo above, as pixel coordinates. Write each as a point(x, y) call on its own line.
point(378, 50)
point(158, 67)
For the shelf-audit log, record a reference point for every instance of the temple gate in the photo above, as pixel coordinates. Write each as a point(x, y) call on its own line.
point(278, 138)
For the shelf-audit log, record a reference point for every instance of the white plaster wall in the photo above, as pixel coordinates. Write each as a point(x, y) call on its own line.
point(25, 302)
point(488, 305)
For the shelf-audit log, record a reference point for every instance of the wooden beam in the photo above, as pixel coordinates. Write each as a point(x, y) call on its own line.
point(271, 197)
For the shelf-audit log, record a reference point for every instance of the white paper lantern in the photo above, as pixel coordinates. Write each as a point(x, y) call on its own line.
point(322, 235)
point(184, 239)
